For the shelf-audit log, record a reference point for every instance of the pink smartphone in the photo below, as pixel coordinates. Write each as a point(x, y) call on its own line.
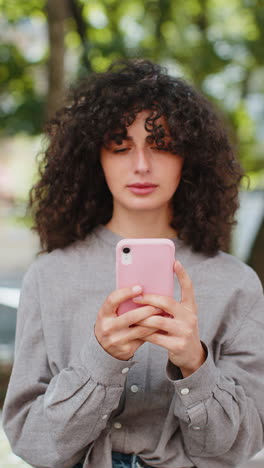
point(147, 262)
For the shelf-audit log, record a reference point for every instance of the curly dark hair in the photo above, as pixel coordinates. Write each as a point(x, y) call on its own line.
point(71, 197)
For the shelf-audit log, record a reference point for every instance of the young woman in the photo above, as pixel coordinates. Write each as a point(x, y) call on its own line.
point(139, 154)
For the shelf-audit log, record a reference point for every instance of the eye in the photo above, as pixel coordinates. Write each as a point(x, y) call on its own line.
point(121, 150)
point(158, 148)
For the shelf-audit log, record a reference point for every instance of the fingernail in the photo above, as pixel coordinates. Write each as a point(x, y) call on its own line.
point(178, 264)
point(137, 289)
point(137, 298)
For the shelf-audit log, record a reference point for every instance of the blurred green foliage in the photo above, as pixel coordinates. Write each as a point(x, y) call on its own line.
point(216, 44)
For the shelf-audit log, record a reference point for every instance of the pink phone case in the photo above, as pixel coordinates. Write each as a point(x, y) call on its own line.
point(149, 264)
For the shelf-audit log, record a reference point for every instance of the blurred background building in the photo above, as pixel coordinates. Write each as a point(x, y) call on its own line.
point(45, 45)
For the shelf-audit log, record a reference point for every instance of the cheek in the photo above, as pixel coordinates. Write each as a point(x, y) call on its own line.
point(106, 170)
point(112, 176)
point(175, 172)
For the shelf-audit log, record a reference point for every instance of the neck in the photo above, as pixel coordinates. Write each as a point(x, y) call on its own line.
point(142, 225)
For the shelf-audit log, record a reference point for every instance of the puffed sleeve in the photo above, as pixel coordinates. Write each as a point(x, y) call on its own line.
point(51, 420)
point(221, 405)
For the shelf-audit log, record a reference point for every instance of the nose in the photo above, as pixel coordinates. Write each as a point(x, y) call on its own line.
point(141, 161)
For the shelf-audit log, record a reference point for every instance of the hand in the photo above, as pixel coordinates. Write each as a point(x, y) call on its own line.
point(121, 335)
point(179, 333)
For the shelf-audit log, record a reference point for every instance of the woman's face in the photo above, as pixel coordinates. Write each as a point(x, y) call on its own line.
point(139, 175)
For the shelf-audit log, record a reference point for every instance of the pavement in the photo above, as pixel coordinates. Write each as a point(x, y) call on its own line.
point(255, 462)
point(18, 247)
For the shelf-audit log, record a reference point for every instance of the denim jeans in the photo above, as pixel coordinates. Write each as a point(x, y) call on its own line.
point(123, 460)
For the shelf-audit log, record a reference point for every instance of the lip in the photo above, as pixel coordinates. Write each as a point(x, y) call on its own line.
point(142, 185)
point(142, 189)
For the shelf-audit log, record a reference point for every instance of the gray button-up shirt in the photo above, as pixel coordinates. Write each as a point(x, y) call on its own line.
point(70, 400)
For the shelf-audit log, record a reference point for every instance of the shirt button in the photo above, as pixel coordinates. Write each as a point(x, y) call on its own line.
point(125, 370)
point(196, 428)
point(134, 388)
point(117, 425)
point(104, 416)
point(185, 391)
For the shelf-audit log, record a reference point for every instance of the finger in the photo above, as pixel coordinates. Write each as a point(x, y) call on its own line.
point(165, 303)
point(162, 323)
point(134, 316)
point(117, 297)
point(164, 341)
point(187, 293)
point(139, 332)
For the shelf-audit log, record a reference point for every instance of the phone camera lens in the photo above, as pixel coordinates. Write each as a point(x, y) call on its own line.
point(126, 250)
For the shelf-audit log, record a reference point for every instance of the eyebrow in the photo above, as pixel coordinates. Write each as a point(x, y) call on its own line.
point(130, 138)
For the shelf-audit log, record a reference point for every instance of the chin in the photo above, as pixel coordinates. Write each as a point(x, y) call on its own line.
point(145, 205)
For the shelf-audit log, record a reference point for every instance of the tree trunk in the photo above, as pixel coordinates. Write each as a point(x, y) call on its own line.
point(76, 11)
point(56, 14)
point(256, 260)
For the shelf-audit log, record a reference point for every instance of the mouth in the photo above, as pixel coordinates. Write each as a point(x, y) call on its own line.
point(142, 189)
point(144, 185)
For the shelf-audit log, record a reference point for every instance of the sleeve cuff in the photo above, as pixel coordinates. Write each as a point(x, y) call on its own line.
point(196, 387)
point(102, 367)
